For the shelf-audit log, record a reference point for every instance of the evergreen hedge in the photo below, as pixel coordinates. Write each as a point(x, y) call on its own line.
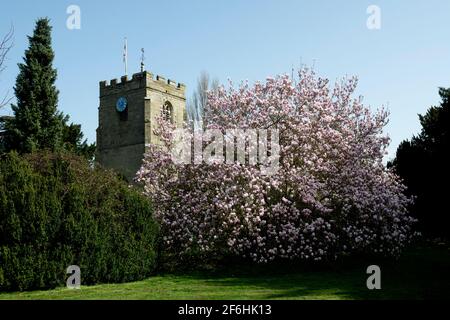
point(57, 211)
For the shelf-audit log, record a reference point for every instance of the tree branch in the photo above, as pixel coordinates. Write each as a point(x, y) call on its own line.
point(5, 46)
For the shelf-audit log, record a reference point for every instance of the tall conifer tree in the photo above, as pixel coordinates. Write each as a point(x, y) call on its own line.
point(36, 123)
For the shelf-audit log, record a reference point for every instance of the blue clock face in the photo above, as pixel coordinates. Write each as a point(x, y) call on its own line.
point(121, 104)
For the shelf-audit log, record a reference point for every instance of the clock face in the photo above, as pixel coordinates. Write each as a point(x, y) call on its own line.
point(121, 104)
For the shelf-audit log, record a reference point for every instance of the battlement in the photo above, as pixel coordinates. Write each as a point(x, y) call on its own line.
point(141, 79)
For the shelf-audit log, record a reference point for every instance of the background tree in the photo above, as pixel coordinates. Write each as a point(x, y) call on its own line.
point(199, 101)
point(37, 123)
point(72, 138)
point(423, 163)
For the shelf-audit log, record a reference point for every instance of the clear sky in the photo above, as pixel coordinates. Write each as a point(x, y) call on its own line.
point(400, 65)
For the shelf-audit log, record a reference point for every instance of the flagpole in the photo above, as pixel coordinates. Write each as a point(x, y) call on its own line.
point(125, 56)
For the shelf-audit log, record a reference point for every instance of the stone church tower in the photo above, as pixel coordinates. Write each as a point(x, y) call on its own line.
point(127, 115)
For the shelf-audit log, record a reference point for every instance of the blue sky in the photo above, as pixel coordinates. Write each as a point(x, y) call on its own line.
point(400, 66)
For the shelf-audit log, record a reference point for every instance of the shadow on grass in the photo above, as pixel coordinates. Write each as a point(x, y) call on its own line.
point(421, 273)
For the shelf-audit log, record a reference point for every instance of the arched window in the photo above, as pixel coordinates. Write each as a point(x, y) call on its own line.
point(167, 111)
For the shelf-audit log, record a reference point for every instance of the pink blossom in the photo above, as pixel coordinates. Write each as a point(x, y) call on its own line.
point(331, 196)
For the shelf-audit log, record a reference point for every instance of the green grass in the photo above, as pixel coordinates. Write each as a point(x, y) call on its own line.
point(422, 273)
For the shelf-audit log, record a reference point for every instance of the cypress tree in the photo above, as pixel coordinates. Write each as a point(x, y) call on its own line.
point(36, 123)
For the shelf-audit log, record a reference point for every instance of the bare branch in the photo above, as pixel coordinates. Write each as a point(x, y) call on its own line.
point(5, 46)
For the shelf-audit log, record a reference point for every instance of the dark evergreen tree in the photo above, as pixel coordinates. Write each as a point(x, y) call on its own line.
point(36, 123)
point(423, 163)
point(72, 138)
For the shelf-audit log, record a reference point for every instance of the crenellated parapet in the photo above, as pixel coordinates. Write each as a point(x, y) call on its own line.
point(142, 80)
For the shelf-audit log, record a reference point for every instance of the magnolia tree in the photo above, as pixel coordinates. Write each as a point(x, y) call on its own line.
point(330, 195)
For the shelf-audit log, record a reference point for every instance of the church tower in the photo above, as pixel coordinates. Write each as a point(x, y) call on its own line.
point(127, 113)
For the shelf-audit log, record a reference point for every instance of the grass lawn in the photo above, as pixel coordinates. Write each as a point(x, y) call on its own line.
point(422, 273)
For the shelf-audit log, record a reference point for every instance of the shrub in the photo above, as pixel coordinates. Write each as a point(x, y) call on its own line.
point(56, 211)
point(331, 196)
